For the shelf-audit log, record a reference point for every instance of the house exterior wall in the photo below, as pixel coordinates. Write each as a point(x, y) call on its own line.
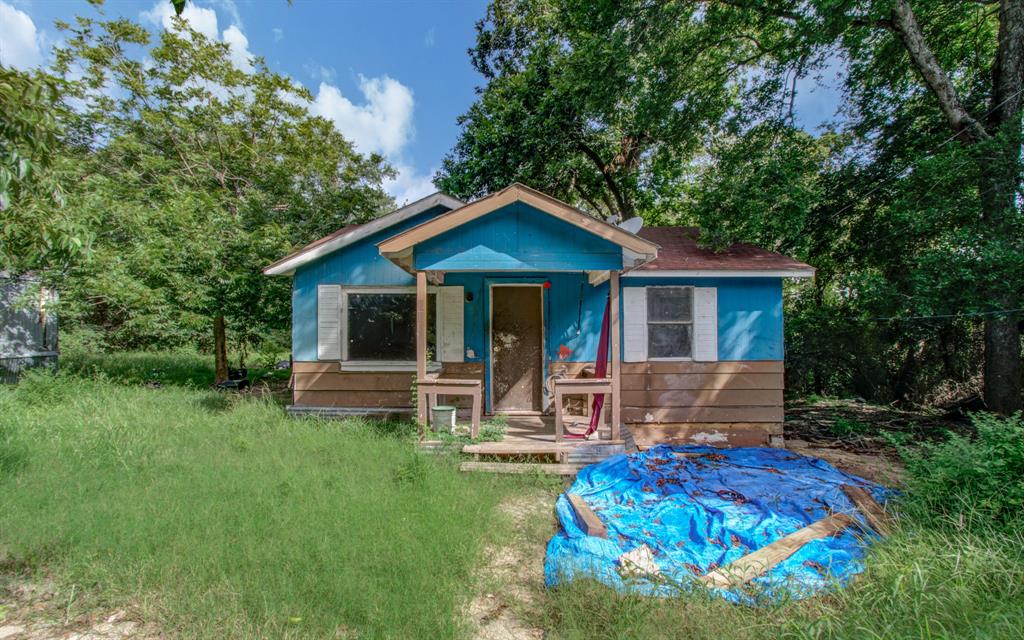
point(357, 264)
point(517, 237)
point(736, 400)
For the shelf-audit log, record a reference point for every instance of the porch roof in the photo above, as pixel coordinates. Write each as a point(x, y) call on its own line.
point(635, 250)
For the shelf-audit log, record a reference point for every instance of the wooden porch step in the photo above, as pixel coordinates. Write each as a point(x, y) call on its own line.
point(521, 467)
point(512, 448)
point(380, 413)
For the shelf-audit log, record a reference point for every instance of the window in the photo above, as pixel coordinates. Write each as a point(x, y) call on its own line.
point(669, 322)
point(381, 325)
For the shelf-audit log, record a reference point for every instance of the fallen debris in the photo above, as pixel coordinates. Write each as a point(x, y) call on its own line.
point(758, 562)
point(589, 521)
point(638, 563)
point(873, 512)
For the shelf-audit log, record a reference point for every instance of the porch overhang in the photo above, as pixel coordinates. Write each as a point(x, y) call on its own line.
point(634, 250)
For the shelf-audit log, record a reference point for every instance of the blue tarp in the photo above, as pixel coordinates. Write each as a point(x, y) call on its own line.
point(700, 508)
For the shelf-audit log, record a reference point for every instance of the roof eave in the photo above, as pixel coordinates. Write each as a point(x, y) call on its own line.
point(399, 244)
point(797, 272)
point(287, 265)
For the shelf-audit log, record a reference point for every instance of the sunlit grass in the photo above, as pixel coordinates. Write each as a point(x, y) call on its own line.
point(220, 517)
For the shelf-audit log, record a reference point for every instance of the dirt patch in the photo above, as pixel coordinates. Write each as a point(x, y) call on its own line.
point(36, 610)
point(513, 576)
point(877, 467)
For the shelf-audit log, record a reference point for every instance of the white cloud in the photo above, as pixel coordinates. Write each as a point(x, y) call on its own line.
point(278, 34)
point(382, 124)
point(202, 19)
point(320, 72)
point(428, 40)
point(20, 43)
point(239, 52)
point(409, 186)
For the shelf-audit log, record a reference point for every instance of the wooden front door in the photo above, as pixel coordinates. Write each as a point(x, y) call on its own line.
point(517, 345)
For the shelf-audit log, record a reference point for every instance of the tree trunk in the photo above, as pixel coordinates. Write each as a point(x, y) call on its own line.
point(1000, 139)
point(220, 349)
point(1002, 365)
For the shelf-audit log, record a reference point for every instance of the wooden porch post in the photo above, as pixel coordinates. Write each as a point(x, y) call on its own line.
point(613, 283)
point(421, 345)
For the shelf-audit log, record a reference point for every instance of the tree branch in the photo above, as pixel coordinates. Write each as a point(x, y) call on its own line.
point(904, 24)
point(622, 208)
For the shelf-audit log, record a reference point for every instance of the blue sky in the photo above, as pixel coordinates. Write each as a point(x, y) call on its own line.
point(393, 76)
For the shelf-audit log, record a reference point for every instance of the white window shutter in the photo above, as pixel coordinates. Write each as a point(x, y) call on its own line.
point(449, 310)
point(328, 322)
point(634, 324)
point(705, 324)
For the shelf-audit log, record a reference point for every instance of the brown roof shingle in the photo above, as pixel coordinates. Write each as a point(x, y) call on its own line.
point(680, 252)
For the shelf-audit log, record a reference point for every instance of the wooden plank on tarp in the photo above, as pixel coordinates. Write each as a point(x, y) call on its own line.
point(591, 524)
point(873, 512)
point(758, 562)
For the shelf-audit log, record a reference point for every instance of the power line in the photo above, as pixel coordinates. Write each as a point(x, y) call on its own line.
point(947, 316)
point(926, 156)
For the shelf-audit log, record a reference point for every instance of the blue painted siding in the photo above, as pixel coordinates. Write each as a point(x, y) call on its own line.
point(749, 314)
point(517, 237)
point(356, 264)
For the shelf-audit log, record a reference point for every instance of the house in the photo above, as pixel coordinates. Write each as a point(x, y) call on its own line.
point(29, 337)
point(508, 295)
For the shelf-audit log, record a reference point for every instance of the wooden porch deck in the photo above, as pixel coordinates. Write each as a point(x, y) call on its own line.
point(534, 437)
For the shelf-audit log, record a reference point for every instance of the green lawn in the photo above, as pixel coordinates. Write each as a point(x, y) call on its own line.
point(222, 517)
point(214, 515)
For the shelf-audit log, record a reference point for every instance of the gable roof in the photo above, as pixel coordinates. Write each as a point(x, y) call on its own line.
point(352, 233)
point(681, 254)
point(400, 245)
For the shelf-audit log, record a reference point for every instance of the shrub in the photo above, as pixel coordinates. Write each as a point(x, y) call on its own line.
point(967, 478)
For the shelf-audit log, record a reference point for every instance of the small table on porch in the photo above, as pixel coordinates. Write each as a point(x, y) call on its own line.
point(578, 386)
point(427, 390)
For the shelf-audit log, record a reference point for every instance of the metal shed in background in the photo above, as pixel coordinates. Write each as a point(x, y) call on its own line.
point(29, 326)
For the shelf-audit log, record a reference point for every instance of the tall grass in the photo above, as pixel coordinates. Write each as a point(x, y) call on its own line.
point(954, 568)
point(222, 518)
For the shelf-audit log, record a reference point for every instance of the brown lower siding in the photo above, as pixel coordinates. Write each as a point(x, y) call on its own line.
point(324, 384)
point(718, 403)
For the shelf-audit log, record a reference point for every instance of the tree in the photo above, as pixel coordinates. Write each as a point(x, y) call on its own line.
point(37, 230)
point(684, 112)
point(198, 174)
point(968, 58)
point(601, 104)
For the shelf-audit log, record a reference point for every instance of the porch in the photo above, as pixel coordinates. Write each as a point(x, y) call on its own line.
point(533, 438)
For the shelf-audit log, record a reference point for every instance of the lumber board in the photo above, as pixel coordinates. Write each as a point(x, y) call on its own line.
point(686, 366)
point(352, 381)
point(588, 520)
point(873, 512)
point(521, 467)
point(703, 398)
point(676, 381)
point(352, 398)
point(757, 562)
point(701, 414)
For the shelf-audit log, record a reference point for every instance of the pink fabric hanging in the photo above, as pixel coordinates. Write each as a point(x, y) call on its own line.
point(600, 371)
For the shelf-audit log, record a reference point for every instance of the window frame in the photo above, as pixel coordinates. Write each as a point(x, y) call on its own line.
point(383, 365)
point(648, 322)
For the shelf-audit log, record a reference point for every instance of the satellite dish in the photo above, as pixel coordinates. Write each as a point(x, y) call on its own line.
point(633, 225)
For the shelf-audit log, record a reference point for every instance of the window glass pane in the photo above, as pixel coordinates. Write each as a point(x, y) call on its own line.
point(671, 304)
point(669, 340)
point(382, 326)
